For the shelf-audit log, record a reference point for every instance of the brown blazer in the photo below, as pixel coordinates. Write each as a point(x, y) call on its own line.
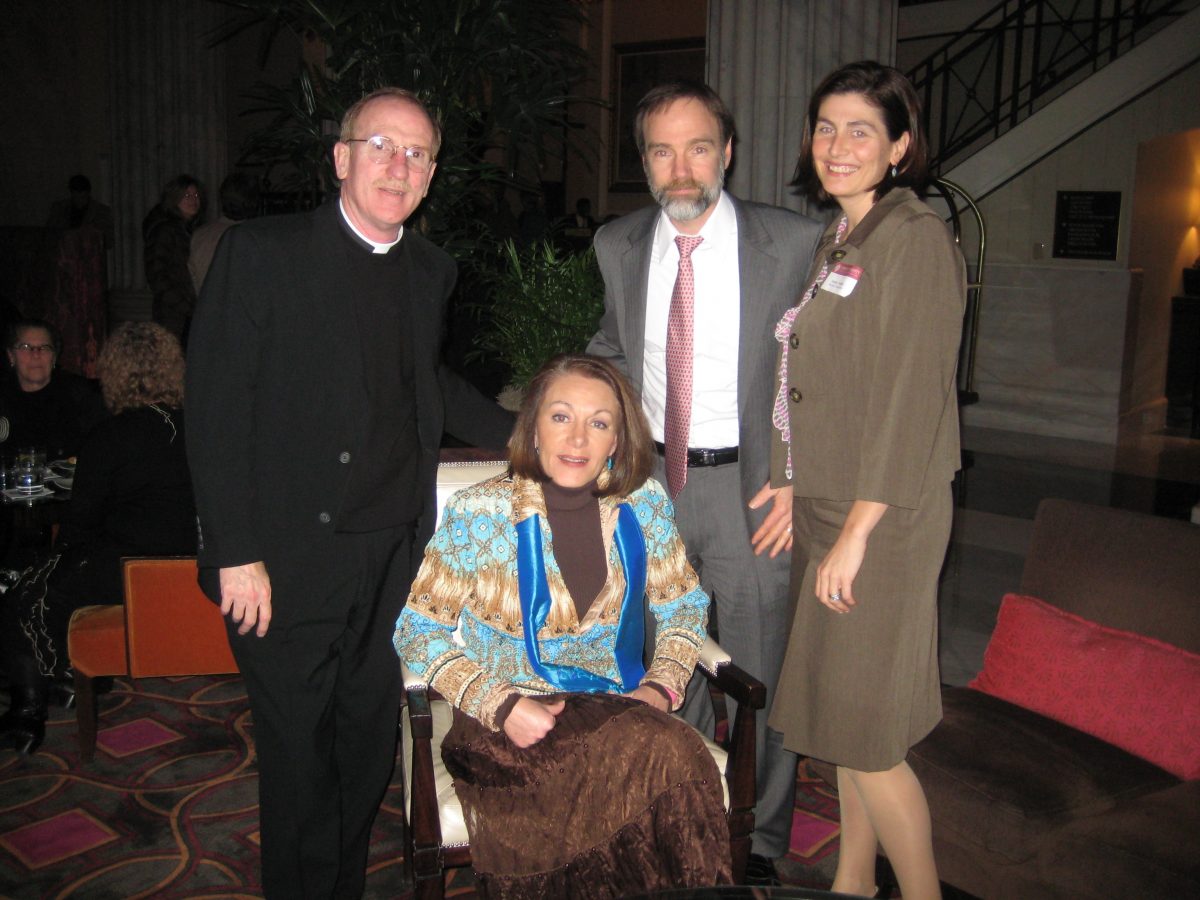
point(872, 401)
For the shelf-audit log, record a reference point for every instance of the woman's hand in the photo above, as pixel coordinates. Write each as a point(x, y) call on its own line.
point(531, 720)
point(650, 697)
point(836, 573)
point(839, 568)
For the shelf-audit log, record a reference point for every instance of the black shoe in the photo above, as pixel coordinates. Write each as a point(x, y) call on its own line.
point(23, 727)
point(24, 735)
point(760, 871)
point(62, 691)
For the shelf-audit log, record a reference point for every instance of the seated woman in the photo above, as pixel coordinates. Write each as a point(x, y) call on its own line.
point(528, 615)
point(43, 406)
point(132, 496)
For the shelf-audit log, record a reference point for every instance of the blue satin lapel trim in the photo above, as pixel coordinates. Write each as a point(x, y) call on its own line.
point(631, 628)
point(535, 608)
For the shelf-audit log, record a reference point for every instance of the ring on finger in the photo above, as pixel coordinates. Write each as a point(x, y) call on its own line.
point(836, 596)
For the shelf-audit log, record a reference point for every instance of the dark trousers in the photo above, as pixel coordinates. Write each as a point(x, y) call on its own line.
point(36, 611)
point(324, 692)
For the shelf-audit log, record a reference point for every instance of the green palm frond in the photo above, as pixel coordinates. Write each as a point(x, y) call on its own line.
point(544, 301)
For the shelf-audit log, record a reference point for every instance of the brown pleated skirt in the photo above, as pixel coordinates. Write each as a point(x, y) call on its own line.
point(618, 799)
point(860, 689)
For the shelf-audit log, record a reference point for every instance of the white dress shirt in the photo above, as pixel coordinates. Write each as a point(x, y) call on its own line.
point(715, 327)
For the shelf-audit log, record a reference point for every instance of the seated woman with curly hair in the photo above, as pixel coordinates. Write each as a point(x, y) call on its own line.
point(528, 614)
point(132, 496)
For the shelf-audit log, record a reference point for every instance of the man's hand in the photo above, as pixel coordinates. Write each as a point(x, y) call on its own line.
point(775, 533)
point(246, 596)
point(531, 720)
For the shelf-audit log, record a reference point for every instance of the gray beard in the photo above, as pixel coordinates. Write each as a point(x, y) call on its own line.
point(681, 210)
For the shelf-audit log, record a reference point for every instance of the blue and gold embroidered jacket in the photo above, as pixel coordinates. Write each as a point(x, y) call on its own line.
point(461, 629)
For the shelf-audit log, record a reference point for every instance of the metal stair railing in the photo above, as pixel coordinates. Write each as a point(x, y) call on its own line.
point(960, 203)
point(1020, 55)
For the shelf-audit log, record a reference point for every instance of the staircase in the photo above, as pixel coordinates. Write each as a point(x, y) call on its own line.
point(1029, 75)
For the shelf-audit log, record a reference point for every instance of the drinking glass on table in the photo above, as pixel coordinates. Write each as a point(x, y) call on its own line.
point(30, 469)
point(29, 477)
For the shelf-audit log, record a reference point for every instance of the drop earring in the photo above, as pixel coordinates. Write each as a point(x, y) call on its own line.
point(893, 171)
point(605, 476)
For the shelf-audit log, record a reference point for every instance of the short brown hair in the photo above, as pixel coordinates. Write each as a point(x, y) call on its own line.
point(633, 460)
point(659, 98)
point(890, 92)
point(173, 191)
point(350, 118)
point(141, 364)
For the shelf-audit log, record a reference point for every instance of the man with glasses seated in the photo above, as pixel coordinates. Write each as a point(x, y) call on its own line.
point(316, 402)
point(40, 406)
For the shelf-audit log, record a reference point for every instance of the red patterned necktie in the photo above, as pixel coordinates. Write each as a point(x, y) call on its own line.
point(679, 366)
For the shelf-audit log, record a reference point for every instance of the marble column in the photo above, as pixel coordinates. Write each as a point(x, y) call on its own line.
point(764, 59)
point(168, 118)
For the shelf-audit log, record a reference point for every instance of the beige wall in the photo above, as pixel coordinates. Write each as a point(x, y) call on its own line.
point(1020, 215)
point(1069, 346)
point(1165, 239)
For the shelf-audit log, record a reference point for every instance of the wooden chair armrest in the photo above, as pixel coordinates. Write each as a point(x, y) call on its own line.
point(420, 719)
point(720, 669)
point(424, 823)
point(740, 744)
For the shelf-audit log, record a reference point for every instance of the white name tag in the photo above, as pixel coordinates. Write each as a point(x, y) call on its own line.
point(843, 279)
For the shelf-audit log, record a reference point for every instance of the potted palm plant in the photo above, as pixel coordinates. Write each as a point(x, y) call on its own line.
point(544, 301)
point(499, 74)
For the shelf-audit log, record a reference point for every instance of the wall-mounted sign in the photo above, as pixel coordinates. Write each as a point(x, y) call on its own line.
point(1086, 224)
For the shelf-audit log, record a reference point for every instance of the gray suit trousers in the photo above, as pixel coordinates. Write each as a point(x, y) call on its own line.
point(751, 609)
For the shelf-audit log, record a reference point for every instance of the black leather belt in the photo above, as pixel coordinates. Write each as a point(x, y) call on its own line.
point(702, 456)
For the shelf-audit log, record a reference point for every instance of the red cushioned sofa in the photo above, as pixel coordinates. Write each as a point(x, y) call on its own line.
point(1026, 807)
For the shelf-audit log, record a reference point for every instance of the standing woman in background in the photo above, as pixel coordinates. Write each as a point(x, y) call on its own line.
point(167, 232)
point(867, 422)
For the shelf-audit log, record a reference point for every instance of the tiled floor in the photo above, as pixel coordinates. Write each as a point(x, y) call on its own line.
point(1011, 473)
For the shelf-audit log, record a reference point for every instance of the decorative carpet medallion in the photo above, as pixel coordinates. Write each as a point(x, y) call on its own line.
point(133, 737)
point(810, 833)
point(54, 839)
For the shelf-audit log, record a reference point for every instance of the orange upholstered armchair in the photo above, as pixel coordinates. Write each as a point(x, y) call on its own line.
point(166, 627)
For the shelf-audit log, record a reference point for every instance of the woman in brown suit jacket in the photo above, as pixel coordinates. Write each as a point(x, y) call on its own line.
point(867, 426)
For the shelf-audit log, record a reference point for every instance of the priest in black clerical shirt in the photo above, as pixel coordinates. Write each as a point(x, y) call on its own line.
point(316, 404)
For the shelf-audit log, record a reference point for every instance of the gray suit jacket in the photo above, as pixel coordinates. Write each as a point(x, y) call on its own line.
point(775, 247)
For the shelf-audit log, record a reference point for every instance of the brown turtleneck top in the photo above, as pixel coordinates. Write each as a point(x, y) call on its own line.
point(574, 518)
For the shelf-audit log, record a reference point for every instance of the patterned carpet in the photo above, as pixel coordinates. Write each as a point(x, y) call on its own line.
point(168, 808)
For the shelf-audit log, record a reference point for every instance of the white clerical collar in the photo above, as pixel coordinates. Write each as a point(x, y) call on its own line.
point(376, 245)
point(721, 221)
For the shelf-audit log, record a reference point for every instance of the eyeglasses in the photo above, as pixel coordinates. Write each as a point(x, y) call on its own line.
point(34, 348)
point(381, 149)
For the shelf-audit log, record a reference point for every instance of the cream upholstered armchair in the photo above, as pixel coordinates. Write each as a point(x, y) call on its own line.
point(435, 832)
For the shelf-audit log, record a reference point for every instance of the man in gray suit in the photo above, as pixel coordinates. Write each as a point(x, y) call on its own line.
point(721, 295)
